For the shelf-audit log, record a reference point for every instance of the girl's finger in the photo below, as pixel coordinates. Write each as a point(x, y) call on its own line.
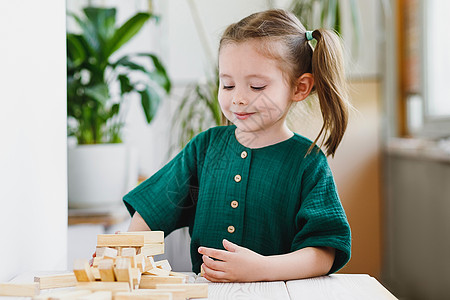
point(213, 275)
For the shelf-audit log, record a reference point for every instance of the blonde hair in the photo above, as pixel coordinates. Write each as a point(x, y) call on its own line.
point(325, 62)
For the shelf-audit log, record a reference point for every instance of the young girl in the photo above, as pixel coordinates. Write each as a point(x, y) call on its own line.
point(260, 201)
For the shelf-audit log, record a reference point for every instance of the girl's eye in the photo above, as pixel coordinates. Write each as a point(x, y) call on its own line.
point(228, 87)
point(258, 88)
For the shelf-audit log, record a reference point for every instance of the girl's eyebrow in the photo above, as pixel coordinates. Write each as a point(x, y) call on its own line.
point(221, 75)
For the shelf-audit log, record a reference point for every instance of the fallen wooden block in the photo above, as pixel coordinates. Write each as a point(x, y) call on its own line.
point(163, 264)
point(149, 296)
point(106, 269)
point(193, 290)
point(63, 295)
point(114, 287)
point(150, 281)
point(157, 271)
point(152, 249)
point(149, 262)
point(150, 237)
point(172, 273)
point(82, 270)
point(177, 294)
point(106, 252)
point(120, 240)
point(56, 281)
point(19, 289)
point(101, 295)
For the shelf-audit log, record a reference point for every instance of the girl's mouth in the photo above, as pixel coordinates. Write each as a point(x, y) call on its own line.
point(243, 116)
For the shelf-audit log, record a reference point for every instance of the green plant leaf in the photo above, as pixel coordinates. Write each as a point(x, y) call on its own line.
point(114, 110)
point(88, 32)
point(126, 32)
point(103, 20)
point(125, 84)
point(98, 92)
point(76, 53)
point(150, 102)
point(160, 74)
point(126, 62)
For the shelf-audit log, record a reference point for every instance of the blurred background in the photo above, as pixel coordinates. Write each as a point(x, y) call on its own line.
point(96, 96)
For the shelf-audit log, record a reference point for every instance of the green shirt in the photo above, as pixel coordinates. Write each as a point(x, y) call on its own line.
point(281, 201)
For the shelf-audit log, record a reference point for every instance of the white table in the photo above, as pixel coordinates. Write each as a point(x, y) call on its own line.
point(335, 287)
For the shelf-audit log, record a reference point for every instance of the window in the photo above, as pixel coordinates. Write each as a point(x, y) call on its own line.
point(437, 58)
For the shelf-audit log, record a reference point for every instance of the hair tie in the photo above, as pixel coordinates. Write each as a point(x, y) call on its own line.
point(309, 35)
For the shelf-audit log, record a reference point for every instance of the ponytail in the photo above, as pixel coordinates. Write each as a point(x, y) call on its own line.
point(330, 85)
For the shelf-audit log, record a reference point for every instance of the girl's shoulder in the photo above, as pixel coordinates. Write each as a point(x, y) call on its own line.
point(303, 144)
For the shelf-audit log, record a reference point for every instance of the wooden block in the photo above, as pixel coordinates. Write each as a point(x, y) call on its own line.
point(150, 281)
point(101, 295)
point(152, 249)
point(149, 263)
point(106, 269)
point(202, 272)
point(163, 264)
point(136, 274)
point(193, 290)
point(108, 252)
point(146, 296)
point(172, 273)
point(96, 273)
point(131, 254)
point(150, 237)
point(56, 281)
point(177, 294)
point(104, 286)
point(96, 260)
point(140, 262)
point(99, 251)
point(158, 272)
point(63, 295)
point(123, 271)
point(82, 270)
point(19, 289)
point(120, 240)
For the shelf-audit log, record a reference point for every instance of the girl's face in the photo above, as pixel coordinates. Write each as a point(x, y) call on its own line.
point(253, 93)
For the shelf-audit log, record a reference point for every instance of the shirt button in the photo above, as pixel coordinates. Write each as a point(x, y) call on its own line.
point(237, 178)
point(231, 229)
point(234, 204)
point(244, 154)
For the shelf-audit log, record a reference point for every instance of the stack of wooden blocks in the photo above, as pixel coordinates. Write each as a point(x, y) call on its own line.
point(124, 268)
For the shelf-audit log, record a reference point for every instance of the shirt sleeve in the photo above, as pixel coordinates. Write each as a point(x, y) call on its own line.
point(321, 220)
point(167, 200)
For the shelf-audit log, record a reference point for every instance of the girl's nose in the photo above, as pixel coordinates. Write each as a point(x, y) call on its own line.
point(239, 100)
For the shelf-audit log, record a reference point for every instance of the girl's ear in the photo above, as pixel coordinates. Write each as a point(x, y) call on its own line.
point(304, 86)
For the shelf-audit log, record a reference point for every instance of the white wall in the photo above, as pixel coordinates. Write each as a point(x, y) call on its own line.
point(33, 188)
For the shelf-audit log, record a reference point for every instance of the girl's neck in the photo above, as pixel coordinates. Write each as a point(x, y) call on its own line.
point(263, 138)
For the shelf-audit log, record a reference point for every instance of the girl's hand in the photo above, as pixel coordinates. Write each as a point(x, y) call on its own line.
point(235, 264)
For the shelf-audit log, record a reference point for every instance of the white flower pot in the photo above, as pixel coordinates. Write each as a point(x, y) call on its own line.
point(100, 175)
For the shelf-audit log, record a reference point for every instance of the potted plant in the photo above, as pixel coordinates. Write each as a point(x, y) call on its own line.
point(97, 87)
